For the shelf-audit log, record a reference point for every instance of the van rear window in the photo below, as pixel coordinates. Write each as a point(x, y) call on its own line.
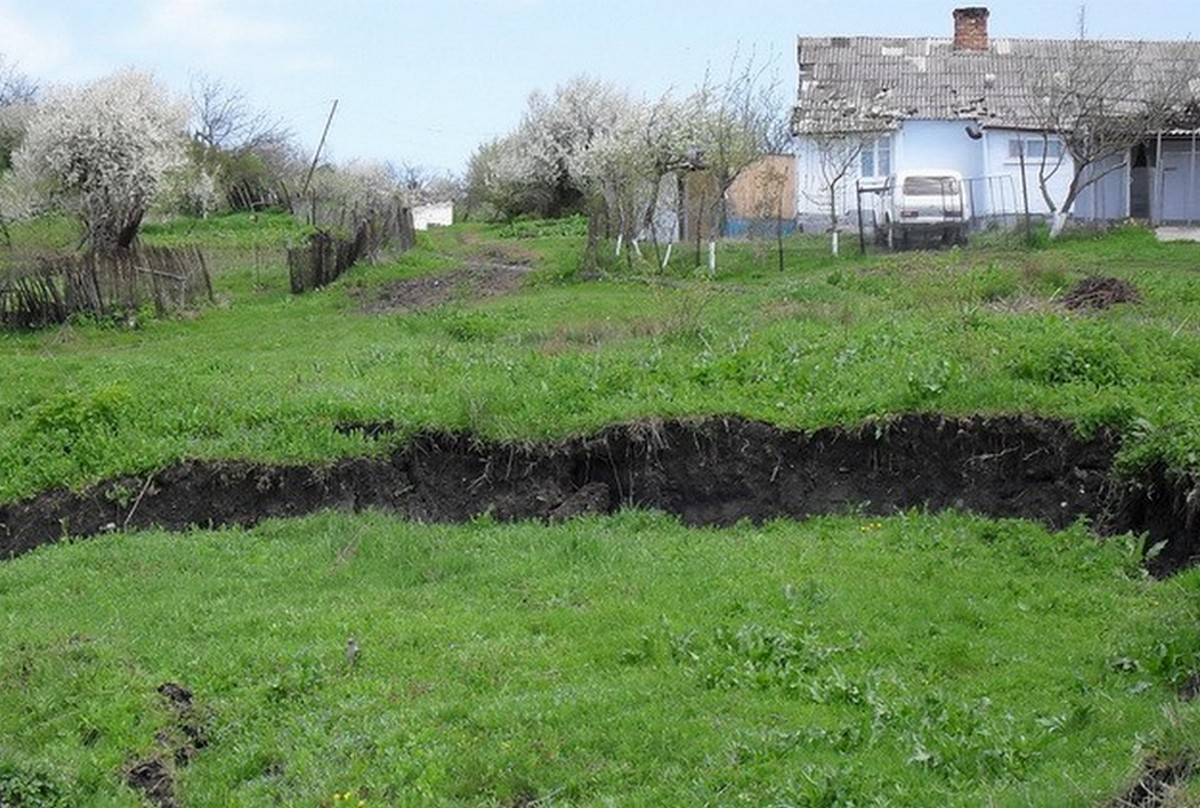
point(930, 186)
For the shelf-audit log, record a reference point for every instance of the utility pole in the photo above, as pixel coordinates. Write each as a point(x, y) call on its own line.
point(321, 145)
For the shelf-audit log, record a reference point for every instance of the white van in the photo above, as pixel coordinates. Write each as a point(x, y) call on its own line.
point(921, 207)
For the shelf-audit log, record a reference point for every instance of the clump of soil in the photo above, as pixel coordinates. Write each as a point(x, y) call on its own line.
point(153, 776)
point(192, 735)
point(1190, 689)
point(1097, 292)
point(1155, 784)
point(474, 281)
point(372, 430)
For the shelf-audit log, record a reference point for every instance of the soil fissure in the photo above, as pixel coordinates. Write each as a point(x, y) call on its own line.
point(709, 472)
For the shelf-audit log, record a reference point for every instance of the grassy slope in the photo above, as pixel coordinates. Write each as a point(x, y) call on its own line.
point(265, 375)
point(622, 658)
point(931, 660)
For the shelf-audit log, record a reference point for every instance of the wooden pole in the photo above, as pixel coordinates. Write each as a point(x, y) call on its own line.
point(321, 145)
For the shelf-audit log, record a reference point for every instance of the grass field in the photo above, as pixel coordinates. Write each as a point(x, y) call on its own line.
point(265, 375)
point(915, 660)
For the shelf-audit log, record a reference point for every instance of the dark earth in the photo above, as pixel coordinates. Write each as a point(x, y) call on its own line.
point(179, 743)
point(475, 280)
point(708, 472)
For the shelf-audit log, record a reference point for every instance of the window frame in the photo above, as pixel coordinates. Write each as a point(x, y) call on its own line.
point(877, 151)
point(1052, 150)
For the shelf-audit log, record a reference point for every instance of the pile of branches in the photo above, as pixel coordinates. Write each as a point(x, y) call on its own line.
point(1097, 292)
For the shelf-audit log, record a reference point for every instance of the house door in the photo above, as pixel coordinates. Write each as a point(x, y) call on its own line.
point(1139, 181)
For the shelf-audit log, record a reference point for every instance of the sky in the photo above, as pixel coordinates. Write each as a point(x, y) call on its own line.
point(425, 83)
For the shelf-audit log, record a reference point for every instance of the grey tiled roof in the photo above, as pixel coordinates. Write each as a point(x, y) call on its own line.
point(863, 83)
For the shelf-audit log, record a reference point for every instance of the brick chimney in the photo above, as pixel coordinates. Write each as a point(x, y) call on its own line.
point(970, 29)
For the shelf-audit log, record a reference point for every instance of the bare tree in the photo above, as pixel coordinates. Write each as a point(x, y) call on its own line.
point(734, 124)
point(239, 146)
point(836, 154)
point(223, 119)
point(1099, 100)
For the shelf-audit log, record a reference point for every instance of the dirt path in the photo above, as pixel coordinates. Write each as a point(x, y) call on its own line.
point(475, 280)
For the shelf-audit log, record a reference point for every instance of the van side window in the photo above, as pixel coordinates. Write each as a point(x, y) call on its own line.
point(930, 186)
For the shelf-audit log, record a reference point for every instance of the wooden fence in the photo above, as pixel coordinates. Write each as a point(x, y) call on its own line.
point(42, 291)
point(326, 256)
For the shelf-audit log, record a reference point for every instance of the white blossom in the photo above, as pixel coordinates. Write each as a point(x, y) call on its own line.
point(103, 150)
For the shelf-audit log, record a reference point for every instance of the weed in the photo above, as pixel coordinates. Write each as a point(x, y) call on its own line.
point(30, 788)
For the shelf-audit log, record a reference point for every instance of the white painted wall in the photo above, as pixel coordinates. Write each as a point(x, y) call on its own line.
point(812, 195)
point(937, 144)
point(438, 213)
point(1178, 200)
point(1107, 199)
point(1005, 172)
point(993, 177)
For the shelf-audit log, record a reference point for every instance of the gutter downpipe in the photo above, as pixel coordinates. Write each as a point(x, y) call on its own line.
point(1192, 180)
point(1156, 215)
point(987, 169)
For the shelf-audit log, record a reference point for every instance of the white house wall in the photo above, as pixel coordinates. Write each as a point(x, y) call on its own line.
point(1175, 198)
point(812, 197)
point(937, 144)
point(1005, 174)
point(1107, 199)
point(993, 178)
point(439, 214)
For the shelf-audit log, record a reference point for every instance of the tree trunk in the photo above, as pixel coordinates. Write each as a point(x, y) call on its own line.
point(1058, 220)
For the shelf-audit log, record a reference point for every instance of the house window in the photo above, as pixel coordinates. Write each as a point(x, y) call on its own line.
point(876, 157)
point(1036, 148)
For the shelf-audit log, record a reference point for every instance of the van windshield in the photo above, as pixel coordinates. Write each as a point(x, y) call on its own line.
point(930, 186)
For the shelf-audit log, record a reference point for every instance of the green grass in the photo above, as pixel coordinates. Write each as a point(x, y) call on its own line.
point(265, 375)
point(916, 660)
point(913, 660)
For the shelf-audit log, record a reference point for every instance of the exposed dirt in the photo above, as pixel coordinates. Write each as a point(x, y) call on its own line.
point(1155, 785)
point(474, 281)
point(710, 472)
point(153, 776)
point(1096, 292)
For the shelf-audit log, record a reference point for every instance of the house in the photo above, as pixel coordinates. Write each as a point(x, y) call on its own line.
point(437, 214)
point(990, 108)
point(760, 201)
point(763, 197)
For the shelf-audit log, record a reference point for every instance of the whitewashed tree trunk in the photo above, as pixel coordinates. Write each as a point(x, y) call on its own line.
point(1057, 222)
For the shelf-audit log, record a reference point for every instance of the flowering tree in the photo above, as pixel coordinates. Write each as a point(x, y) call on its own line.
point(102, 152)
point(530, 170)
point(17, 94)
